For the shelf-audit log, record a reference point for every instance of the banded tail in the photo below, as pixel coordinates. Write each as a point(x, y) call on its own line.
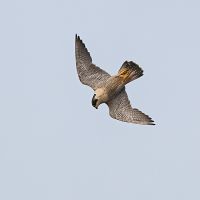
point(130, 71)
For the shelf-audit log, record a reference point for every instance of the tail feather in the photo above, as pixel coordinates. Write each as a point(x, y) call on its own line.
point(130, 71)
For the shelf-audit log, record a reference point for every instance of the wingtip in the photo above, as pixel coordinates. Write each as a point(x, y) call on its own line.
point(152, 122)
point(77, 37)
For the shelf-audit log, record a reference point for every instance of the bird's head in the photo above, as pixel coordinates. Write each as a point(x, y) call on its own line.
point(98, 98)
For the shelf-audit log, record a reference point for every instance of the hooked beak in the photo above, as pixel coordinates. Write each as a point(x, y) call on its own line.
point(94, 101)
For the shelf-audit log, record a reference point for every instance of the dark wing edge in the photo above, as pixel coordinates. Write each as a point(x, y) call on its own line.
point(88, 73)
point(121, 109)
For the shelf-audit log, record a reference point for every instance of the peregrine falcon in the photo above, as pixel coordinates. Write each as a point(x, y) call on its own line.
point(110, 89)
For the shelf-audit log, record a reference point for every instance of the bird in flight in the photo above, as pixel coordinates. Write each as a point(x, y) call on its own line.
point(110, 89)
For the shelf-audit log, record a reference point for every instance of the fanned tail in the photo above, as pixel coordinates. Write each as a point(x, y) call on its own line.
point(130, 71)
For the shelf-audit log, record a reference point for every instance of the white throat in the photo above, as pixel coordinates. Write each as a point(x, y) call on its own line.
point(99, 92)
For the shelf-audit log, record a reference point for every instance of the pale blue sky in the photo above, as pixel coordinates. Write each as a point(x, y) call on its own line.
point(55, 145)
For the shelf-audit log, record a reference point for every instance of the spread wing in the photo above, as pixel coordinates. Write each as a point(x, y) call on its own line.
point(88, 73)
point(120, 109)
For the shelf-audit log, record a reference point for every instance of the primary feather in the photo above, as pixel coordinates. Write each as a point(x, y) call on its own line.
point(89, 74)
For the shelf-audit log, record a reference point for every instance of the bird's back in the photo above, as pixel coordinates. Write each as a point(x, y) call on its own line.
point(113, 86)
